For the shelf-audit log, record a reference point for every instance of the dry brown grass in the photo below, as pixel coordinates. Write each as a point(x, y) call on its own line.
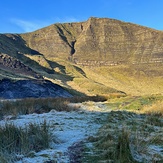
point(154, 109)
point(43, 105)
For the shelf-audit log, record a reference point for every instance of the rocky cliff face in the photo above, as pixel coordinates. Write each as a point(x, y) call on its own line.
point(98, 42)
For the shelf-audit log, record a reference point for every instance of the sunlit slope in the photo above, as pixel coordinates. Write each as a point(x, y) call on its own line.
point(98, 41)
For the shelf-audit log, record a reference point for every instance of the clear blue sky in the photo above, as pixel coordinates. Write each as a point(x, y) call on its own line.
point(18, 16)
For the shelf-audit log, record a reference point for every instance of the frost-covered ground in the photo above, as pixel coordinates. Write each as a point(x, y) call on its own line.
point(145, 135)
point(67, 128)
point(70, 128)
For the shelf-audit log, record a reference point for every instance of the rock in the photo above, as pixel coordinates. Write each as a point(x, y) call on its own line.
point(30, 88)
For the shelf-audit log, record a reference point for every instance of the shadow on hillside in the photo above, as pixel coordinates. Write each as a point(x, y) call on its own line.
point(54, 65)
point(14, 46)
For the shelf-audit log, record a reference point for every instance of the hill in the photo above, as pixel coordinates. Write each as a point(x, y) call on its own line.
point(98, 56)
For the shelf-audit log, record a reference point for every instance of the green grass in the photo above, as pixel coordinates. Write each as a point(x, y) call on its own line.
point(128, 79)
point(124, 134)
point(155, 109)
point(95, 88)
point(134, 103)
point(114, 148)
point(107, 80)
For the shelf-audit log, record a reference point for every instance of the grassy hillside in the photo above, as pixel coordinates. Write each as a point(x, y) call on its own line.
point(102, 80)
point(99, 56)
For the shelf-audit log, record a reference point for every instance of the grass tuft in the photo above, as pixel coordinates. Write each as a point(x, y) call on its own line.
point(16, 140)
point(123, 152)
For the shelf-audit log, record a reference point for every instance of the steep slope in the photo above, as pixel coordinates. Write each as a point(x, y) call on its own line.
point(111, 42)
point(110, 52)
point(57, 40)
point(98, 42)
point(13, 49)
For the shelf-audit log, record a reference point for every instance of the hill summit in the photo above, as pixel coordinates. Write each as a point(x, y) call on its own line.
point(104, 40)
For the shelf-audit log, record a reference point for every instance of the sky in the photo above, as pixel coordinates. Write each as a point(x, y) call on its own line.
point(20, 16)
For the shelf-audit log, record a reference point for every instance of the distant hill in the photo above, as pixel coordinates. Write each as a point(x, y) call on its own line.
point(99, 56)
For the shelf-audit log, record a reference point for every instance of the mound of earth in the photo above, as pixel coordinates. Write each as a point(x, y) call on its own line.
point(30, 88)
